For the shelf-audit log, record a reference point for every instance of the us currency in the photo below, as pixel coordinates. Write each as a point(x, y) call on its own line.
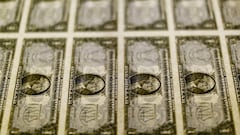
point(38, 87)
point(145, 14)
point(10, 14)
point(149, 100)
point(93, 88)
point(234, 49)
point(48, 15)
point(95, 15)
point(194, 14)
point(231, 13)
point(7, 47)
point(204, 90)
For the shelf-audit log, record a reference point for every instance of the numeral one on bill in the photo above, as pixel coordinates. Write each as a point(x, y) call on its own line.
point(93, 88)
point(7, 48)
point(149, 106)
point(203, 87)
point(37, 93)
point(234, 54)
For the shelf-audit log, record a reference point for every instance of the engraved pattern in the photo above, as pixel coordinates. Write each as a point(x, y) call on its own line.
point(234, 49)
point(145, 14)
point(48, 15)
point(142, 13)
point(45, 14)
point(95, 15)
point(7, 47)
point(143, 57)
point(39, 58)
point(192, 14)
point(197, 57)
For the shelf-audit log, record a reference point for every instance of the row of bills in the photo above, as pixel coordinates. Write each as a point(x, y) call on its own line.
point(101, 15)
point(93, 92)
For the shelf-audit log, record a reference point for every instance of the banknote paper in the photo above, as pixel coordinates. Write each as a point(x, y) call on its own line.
point(149, 108)
point(194, 14)
point(10, 14)
point(96, 15)
point(48, 15)
point(204, 90)
point(234, 51)
point(38, 87)
point(7, 47)
point(145, 14)
point(93, 88)
point(231, 13)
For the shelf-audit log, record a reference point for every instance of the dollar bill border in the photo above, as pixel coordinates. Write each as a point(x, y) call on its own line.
point(9, 47)
point(232, 40)
point(59, 27)
point(169, 126)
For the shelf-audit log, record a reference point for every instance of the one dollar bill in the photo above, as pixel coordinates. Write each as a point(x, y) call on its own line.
point(38, 87)
point(93, 90)
point(204, 89)
point(149, 100)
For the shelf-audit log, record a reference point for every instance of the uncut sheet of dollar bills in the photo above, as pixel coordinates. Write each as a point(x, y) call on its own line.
point(119, 67)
